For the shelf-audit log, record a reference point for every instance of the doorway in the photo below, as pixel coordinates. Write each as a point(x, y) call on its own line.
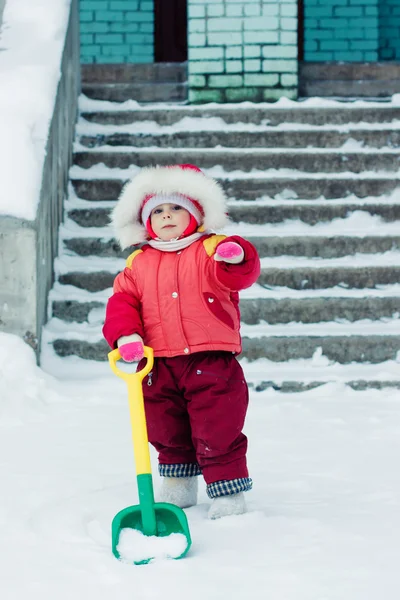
point(170, 31)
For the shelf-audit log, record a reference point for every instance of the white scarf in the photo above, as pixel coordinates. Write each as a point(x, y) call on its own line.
point(176, 244)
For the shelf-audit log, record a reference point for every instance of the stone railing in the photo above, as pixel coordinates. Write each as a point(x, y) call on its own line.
point(28, 249)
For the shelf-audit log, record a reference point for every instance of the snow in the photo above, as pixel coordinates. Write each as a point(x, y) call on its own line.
point(101, 171)
point(133, 546)
point(31, 44)
point(89, 105)
point(203, 123)
point(323, 520)
point(349, 147)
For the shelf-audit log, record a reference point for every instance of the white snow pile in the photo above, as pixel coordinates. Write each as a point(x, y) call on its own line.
point(323, 517)
point(134, 546)
point(24, 388)
point(31, 43)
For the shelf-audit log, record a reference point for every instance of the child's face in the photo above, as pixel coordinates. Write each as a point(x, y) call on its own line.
point(169, 221)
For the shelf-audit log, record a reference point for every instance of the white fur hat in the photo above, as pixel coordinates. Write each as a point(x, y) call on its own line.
point(187, 180)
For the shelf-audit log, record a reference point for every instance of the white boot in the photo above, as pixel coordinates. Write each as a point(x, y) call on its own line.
point(223, 506)
point(181, 491)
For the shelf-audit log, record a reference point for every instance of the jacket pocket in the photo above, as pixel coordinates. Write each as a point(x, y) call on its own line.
point(217, 310)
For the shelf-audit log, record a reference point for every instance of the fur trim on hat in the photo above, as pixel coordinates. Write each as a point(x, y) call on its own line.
point(125, 218)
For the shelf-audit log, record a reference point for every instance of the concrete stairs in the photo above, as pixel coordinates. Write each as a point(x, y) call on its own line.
point(316, 189)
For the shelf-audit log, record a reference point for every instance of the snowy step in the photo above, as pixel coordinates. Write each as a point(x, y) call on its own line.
point(140, 92)
point(253, 187)
point(342, 349)
point(246, 159)
point(291, 376)
point(271, 310)
point(293, 387)
point(344, 344)
point(339, 113)
point(313, 246)
point(299, 278)
point(384, 137)
point(310, 213)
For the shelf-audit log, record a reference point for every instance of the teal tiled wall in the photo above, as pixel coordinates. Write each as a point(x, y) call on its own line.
point(351, 30)
point(389, 30)
point(341, 30)
point(242, 50)
point(117, 31)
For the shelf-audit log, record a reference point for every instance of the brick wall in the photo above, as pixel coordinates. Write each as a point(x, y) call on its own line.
point(342, 30)
point(117, 31)
point(389, 30)
point(242, 50)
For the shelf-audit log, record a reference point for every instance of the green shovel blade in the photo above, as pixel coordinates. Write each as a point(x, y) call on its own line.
point(150, 518)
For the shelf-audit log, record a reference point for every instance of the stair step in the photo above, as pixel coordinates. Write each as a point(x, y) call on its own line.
point(340, 349)
point(300, 278)
point(289, 138)
point(140, 92)
point(291, 377)
point(341, 114)
point(267, 246)
point(134, 73)
point(255, 213)
point(271, 310)
point(242, 160)
point(253, 188)
point(73, 311)
point(293, 387)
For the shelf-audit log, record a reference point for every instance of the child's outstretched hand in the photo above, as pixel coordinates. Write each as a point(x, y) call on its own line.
point(229, 252)
point(131, 347)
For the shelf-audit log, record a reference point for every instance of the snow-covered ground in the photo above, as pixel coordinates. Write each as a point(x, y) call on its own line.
point(323, 520)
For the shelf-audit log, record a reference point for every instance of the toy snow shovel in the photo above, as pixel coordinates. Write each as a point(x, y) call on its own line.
point(150, 518)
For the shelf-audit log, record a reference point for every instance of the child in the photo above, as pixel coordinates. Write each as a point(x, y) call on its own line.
point(179, 295)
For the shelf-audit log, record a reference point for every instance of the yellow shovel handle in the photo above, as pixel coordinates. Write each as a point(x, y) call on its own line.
point(136, 408)
point(114, 356)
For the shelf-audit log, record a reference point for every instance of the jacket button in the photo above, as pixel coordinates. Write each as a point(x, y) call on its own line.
point(174, 294)
point(186, 350)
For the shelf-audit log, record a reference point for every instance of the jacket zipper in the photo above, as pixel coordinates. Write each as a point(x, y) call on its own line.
point(150, 379)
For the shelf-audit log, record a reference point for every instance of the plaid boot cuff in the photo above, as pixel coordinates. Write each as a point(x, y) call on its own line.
point(229, 486)
point(179, 470)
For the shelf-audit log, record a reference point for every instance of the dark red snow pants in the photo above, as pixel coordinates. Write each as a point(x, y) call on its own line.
point(195, 410)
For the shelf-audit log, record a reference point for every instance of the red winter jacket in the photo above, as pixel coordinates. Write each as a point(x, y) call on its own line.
point(181, 302)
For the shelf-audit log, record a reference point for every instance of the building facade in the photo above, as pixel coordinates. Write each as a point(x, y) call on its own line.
point(236, 50)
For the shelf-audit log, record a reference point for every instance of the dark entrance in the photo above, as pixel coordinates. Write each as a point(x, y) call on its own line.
point(300, 30)
point(170, 34)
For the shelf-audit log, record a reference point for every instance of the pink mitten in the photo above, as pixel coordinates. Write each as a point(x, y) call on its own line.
point(132, 352)
point(229, 252)
point(131, 347)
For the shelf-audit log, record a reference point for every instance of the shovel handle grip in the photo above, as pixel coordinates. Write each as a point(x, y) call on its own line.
point(114, 356)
